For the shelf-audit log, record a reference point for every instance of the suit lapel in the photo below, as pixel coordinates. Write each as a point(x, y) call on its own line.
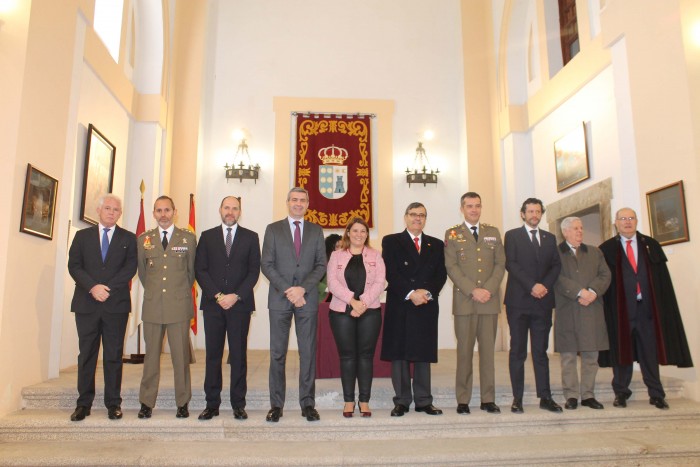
point(407, 242)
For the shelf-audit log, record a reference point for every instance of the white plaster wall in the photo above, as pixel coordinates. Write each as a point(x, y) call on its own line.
point(407, 51)
point(596, 104)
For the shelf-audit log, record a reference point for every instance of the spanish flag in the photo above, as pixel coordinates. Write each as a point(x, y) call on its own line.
point(191, 227)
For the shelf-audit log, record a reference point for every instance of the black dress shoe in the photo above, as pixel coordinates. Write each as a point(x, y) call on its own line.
point(80, 413)
point(208, 413)
point(182, 412)
point(549, 404)
point(145, 411)
point(658, 402)
point(620, 400)
point(310, 413)
point(239, 413)
point(114, 412)
point(490, 407)
point(399, 410)
point(274, 415)
point(517, 405)
point(463, 409)
point(592, 403)
point(429, 409)
point(571, 403)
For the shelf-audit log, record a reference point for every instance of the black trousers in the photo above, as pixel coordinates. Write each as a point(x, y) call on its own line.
point(537, 323)
point(109, 329)
point(219, 324)
point(644, 345)
point(356, 339)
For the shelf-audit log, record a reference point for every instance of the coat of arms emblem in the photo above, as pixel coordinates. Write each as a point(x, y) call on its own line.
point(333, 174)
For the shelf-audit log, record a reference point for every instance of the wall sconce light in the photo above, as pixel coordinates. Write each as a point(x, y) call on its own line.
point(421, 171)
point(240, 169)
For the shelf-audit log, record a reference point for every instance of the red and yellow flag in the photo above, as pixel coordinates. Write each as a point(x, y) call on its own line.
point(135, 287)
point(191, 227)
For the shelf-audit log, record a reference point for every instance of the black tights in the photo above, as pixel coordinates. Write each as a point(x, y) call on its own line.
point(356, 339)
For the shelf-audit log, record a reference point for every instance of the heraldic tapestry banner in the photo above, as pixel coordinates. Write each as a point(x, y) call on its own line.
point(333, 163)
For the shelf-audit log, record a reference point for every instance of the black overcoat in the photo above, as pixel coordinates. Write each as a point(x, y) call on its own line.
point(672, 345)
point(411, 332)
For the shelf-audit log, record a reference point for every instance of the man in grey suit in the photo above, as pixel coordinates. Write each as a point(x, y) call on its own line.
point(293, 260)
point(166, 270)
point(476, 262)
point(580, 324)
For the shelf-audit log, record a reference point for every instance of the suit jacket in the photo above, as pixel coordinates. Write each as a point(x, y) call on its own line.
point(374, 283)
point(580, 328)
point(671, 342)
point(411, 332)
point(237, 273)
point(471, 264)
point(527, 267)
point(167, 276)
point(282, 268)
point(87, 269)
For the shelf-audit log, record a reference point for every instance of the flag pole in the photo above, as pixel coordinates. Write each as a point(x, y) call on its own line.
point(137, 358)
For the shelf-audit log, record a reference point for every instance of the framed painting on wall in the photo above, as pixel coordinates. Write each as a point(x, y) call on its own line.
point(668, 220)
point(571, 158)
point(39, 203)
point(99, 173)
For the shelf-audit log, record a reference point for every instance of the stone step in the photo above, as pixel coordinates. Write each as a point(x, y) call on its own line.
point(620, 448)
point(54, 424)
point(328, 396)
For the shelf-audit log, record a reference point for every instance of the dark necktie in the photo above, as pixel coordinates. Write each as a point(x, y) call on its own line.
point(416, 241)
point(535, 242)
point(165, 239)
point(229, 241)
point(476, 235)
point(105, 244)
point(297, 238)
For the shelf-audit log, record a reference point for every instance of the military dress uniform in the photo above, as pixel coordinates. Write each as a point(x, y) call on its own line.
point(167, 276)
point(471, 264)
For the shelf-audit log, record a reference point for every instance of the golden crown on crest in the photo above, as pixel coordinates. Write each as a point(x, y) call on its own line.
point(333, 155)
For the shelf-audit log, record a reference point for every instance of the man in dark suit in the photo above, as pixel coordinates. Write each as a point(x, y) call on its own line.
point(227, 267)
point(102, 261)
point(415, 272)
point(293, 260)
point(641, 312)
point(533, 265)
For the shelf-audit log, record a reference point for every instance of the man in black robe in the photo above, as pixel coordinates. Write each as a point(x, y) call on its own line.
point(641, 312)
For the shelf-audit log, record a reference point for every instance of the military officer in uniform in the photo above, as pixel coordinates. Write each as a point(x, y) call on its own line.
point(166, 270)
point(475, 262)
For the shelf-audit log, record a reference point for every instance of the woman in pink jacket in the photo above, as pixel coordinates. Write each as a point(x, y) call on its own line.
point(356, 278)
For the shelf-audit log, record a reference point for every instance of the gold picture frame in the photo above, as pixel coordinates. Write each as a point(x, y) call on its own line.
point(38, 204)
point(571, 158)
point(668, 219)
point(98, 175)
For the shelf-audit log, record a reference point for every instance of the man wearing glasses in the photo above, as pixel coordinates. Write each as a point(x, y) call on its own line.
point(415, 272)
point(641, 312)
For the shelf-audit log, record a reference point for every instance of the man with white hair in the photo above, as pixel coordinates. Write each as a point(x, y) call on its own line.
point(102, 261)
point(579, 327)
point(641, 312)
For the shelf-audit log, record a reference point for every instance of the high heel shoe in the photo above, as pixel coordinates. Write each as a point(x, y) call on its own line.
point(368, 413)
point(349, 414)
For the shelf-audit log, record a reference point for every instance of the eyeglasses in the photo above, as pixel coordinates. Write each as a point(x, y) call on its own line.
point(626, 218)
point(415, 215)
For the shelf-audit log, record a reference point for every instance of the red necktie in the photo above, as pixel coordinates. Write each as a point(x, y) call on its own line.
point(633, 262)
point(415, 240)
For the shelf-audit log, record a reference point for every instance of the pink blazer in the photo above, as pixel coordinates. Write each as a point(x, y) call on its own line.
point(374, 285)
